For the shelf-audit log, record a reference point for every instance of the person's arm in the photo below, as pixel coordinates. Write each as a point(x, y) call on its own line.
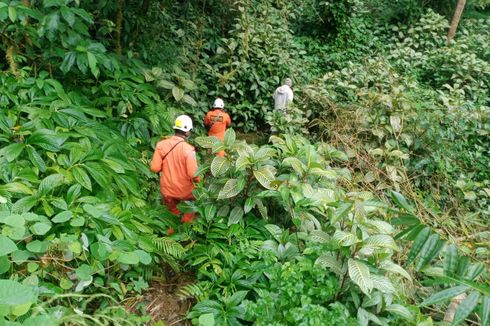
point(156, 161)
point(290, 95)
point(191, 165)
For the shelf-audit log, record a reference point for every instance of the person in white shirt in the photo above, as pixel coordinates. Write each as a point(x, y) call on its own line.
point(283, 96)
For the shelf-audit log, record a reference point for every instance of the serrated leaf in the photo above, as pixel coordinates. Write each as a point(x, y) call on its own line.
point(36, 159)
point(236, 215)
point(219, 166)
point(329, 261)
point(466, 307)
point(360, 275)
point(444, 295)
point(265, 176)
point(275, 231)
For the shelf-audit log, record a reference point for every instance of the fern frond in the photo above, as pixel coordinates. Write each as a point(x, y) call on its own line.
point(169, 247)
point(200, 291)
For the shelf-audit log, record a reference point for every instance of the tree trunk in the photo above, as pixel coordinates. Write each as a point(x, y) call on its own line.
point(456, 17)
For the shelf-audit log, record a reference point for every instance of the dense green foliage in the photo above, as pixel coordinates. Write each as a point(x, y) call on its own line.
point(368, 205)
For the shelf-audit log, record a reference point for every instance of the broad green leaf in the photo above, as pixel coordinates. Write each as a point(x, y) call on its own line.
point(92, 63)
point(485, 310)
point(143, 256)
point(37, 246)
point(249, 204)
point(231, 188)
point(382, 283)
point(236, 215)
point(265, 176)
point(219, 166)
point(177, 93)
point(466, 307)
point(210, 212)
point(380, 241)
point(82, 177)
point(84, 272)
point(46, 139)
point(400, 311)
point(360, 275)
point(207, 142)
point(40, 228)
point(329, 261)
point(206, 320)
point(319, 236)
point(12, 14)
point(7, 246)
point(230, 137)
point(418, 244)
point(16, 187)
point(296, 164)
point(430, 249)
point(12, 151)
point(15, 298)
point(275, 231)
point(450, 259)
point(36, 159)
point(165, 84)
point(390, 266)
point(341, 211)
point(128, 258)
point(401, 202)
point(345, 239)
point(50, 183)
point(444, 295)
point(62, 217)
point(242, 162)
point(4, 264)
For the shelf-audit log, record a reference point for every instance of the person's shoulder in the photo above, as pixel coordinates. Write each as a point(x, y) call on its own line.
point(188, 147)
point(163, 141)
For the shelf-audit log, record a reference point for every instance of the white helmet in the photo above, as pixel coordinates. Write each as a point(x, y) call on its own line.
point(183, 122)
point(218, 103)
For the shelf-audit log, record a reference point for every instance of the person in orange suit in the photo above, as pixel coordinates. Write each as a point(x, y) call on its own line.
point(176, 160)
point(217, 120)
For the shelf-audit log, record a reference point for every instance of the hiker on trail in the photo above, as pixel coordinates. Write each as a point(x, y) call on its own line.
point(176, 160)
point(217, 120)
point(283, 96)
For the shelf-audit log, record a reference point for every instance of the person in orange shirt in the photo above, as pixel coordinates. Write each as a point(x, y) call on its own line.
point(217, 120)
point(176, 160)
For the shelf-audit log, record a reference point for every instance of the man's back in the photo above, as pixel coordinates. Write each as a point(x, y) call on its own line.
point(176, 160)
point(218, 121)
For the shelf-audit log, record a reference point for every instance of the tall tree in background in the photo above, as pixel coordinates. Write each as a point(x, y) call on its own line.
point(456, 18)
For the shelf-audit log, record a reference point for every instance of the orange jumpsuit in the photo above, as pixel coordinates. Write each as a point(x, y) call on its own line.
point(177, 172)
point(218, 120)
